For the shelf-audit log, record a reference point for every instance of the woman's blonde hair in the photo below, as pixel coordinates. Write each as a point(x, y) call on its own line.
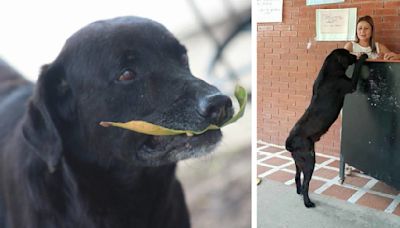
point(370, 21)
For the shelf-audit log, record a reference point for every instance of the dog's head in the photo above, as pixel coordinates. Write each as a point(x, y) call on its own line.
point(343, 57)
point(123, 69)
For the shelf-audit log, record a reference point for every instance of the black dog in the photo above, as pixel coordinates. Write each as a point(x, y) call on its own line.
point(60, 168)
point(329, 91)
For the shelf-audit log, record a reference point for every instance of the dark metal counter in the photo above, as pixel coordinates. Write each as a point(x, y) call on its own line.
point(370, 139)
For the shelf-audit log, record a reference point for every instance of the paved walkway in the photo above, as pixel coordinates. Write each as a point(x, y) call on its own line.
point(275, 163)
point(280, 207)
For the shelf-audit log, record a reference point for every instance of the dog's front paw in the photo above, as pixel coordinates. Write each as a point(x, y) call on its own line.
point(298, 191)
point(309, 204)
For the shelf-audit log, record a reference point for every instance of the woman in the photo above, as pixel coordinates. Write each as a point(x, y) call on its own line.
point(365, 42)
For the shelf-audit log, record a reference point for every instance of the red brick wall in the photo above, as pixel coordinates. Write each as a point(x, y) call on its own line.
point(286, 70)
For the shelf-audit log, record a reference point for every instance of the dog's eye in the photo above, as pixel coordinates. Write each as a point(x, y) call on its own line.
point(127, 75)
point(184, 59)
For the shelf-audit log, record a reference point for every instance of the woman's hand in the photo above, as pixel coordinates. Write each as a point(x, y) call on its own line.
point(381, 55)
point(391, 56)
point(358, 54)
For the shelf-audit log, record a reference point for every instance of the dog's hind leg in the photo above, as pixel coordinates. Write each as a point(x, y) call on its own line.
point(297, 179)
point(308, 170)
point(298, 146)
point(299, 163)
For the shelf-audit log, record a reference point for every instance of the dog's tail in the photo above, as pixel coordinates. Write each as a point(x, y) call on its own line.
point(7, 73)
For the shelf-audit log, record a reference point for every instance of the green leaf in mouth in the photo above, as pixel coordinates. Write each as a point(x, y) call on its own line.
point(152, 129)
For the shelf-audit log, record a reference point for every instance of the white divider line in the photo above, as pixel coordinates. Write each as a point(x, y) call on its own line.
point(392, 206)
point(332, 168)
point(262, 148)
point(271, 171)
point(262, 142)
point(328, 184)
point(263, 159)
point(264, 153)
point(290, 182)
point(318, 166)
point(327, 156)
point(362, 175)
point(321, 178)
point(276, 154)
point(369, 191)
point(369, 184)
point(313, 178)
point(277, 168)
point(282, 147)
point(361, 191)
point(284, 157)
point(273, 145)
point(279, 154)
point(272, 155)
point(289, 171)
point(368, 187)
point(267, 165)
point(356, 196)
point(325, 163)
point(382, 194)
point(319, 154)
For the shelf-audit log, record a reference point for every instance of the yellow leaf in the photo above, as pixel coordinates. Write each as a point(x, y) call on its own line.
point(152, 129)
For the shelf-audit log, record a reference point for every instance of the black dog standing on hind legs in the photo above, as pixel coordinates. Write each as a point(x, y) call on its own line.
point(329, 91)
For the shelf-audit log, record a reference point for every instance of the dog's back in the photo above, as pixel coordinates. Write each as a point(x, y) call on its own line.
point(329, 91)
point(322, 112)
point(324, 109)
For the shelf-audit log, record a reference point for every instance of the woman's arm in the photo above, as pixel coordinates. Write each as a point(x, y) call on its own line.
point(349, 46)
point(388, 54)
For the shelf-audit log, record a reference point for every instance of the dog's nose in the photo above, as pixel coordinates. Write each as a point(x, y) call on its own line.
point(217, 109)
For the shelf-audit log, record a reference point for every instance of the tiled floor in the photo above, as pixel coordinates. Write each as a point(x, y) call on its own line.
point(275, 163)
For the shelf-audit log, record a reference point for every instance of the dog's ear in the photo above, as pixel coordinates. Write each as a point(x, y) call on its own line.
point(49, 109)
point(343, 59)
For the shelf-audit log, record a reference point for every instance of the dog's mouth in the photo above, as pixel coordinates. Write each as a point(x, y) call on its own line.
point(162, 145)
point(159, 150)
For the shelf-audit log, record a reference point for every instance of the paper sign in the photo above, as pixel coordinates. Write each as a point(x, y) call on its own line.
point(336, 24)
point(269, 10)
